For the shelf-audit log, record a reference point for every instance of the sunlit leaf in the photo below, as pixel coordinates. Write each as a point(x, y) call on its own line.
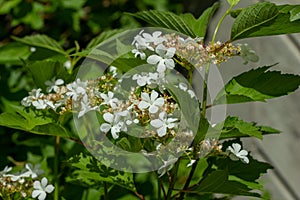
point(41, 41)
point(233, 127)
point(251, 18)
point(217, 182)
point(90, 171)
point(166, 20)
point(200, 25)
point(257, 85)
point(264, 19)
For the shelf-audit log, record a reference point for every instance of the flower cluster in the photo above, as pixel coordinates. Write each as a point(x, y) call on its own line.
point(24, 184)
point(147, 102)
point(189, 53)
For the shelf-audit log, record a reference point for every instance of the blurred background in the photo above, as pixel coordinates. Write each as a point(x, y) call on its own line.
point(79, 21)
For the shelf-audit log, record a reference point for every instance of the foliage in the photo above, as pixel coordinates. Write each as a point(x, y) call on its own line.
point(138, 95)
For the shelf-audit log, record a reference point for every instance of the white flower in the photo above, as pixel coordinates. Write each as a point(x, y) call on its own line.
point(85, 106)
point(183, 86)
point(67, 64)
point(155, 37)
point(141, 43)
point(115, 124)
point(164, 58)
point(32, 49)
point(41, 189)
point(39, 104)
point(30, 171)
point(191, 163)
point(145, 78)
point(168, 165)
point(152, 102)
point(53, 84)
point(248, 54)
point(109, 100)
point(34, 95)
point(76, 89)
point(237, 153)
point(5, 170)
point(113, 70)
point(163, 123)
point(138, 52)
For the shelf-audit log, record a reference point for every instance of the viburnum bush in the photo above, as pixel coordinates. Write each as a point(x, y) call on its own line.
point(130, 118)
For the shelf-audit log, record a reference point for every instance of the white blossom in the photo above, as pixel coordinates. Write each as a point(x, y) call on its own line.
point(34, 95)
point(152, 102)
point(164, 58)
point(139, 53)
point(163, 123)
point(114, 123)
point(76, 89)
point(5, 170)
point(167, 165)
point(191, 163)
point(41, 188)
point(237, 153)
point(32, 49)
point(85, 106)
point(155, 38)
point(141, 43)
point(67, 64)
point(53, 84)
point(145, 78)
point(108, 99)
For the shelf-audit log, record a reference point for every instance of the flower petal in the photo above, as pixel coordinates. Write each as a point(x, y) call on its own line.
point(143, 105)
point(49, 188)
point(44, 181)
point(108, 117)
point(153, 109)
point(153, 59)
point(237, 147)
point(162, 131)
point(169, 63)
point(156, 123)
point(154, 95)
point(35, 193)
point(159, 102)
point(42, 195)
point(105, 127)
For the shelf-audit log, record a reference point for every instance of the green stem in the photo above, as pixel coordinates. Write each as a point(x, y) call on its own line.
point(56, 166)
point(204, 102)
point(172, 181)
point(105, 191)
point(159, 188)
point(220, 22)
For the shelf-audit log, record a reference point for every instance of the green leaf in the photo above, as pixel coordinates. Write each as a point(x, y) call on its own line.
point(102, 37)
point(233, 2)
point(200, 25)
point(17, 117)
point(14, 53)
point(235, 128)
point(264, 19)
point(91, 172)
point(188, 106)
point(217, 182)
point(41, 41)
point(166, 20)
point(251, 18)
point(249, 172)
point(257, 85)
point(42, 71)
point(293, 10)
point(6, 6)
point(295, 14)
